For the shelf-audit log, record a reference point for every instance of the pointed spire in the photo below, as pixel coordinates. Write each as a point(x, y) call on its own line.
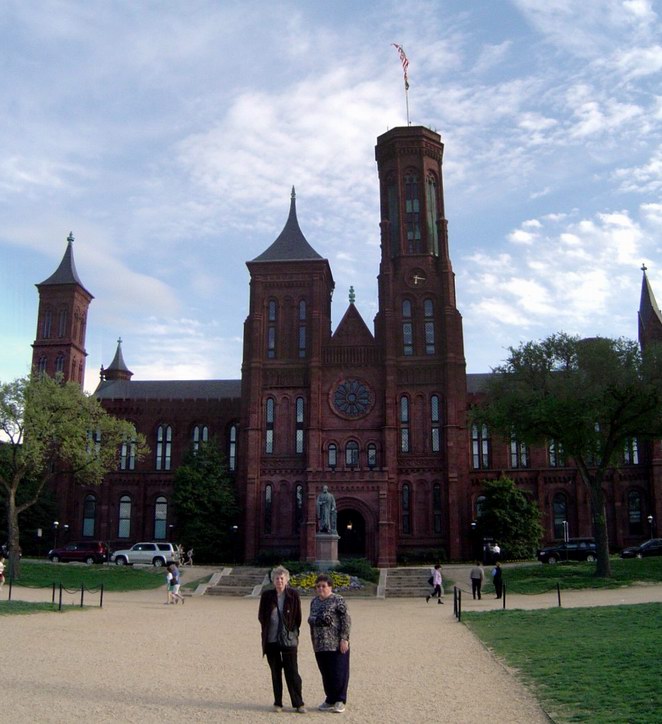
point(291, 244)
point(117, 369)
point(650, 318)
point(65, 273)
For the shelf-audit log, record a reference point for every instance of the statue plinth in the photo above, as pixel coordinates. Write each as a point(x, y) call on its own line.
point(327, 551)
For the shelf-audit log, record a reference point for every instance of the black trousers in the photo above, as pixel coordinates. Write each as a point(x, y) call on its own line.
point(436, 592)
point(284, 660)
point(334, 668)
point(476, 584)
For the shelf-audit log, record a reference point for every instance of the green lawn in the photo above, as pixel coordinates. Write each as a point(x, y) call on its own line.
point(537, 578)
point(585, 665)
point(13, 608)
point(72, 575)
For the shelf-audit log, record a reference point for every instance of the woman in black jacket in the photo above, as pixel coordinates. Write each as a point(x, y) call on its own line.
point(280, 617)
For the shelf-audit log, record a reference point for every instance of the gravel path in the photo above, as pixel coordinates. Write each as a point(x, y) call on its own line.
point(137, 660)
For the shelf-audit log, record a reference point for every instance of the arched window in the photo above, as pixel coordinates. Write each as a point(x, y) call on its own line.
point(635, 516)
point(428, 311)
point(94, 442)
point(128, 454)
point(298, 508)
point(160, 518)
point(435, 423)
point(269, 416)
point(42, 367)
point(302, 328)
point(372, 455)
point(631, 451)
point(407, 329)
point(267, 508)
point(333, 455)
point(124, 517)
point(163, 447)
point(89, 515)
point(299, 410)
point(393, 214)
point(59, 364)
point(62, 323)
point(559, 514)
point(404, 424)
point(413, 214)
point(272, 320)
point(519, 453)
point(436, 508)
point(480, 505)
point(352, 454)
point(406, 509)
point(432, 214)
point(47, 324)
point(480, 447)
point(232, 450)
point(555, 453)
point(200, 434)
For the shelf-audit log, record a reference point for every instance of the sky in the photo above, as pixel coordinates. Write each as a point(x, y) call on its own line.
point(167, 138)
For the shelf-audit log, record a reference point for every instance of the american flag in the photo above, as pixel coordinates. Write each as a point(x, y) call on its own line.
point(404, 61)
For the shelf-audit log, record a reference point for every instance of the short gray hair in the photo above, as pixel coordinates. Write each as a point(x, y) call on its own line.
point(280, 571)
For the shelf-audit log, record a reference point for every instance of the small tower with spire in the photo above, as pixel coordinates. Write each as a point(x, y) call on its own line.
point(117, 369)
point(59, 346)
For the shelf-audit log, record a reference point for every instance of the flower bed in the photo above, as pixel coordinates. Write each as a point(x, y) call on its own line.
point(305, 582)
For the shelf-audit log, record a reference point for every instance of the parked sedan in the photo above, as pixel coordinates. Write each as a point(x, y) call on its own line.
point(652, 547)
point(157, 554)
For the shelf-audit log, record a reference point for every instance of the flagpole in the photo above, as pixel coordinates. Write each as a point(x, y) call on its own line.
point(405, 66)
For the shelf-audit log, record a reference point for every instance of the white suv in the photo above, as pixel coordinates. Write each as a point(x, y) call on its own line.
point(158, 554)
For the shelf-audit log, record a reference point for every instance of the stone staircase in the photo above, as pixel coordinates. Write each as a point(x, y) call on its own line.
point(240, 581)
point(407, 582)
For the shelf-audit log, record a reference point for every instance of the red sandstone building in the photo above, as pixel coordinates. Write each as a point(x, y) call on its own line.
point(377, 415)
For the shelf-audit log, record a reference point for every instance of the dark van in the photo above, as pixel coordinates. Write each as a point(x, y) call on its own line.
point(576, 549)
point(93, 551)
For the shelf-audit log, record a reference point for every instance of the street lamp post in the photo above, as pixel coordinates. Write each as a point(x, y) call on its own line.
point(650, 525)
point(56, 525)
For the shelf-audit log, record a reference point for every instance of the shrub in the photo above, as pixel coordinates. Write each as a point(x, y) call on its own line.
point(359, 567)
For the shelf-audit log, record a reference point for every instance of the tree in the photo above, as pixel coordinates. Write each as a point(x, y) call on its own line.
point(205, 500)
point(592, 397)
point(508, 516)
point(50, 427)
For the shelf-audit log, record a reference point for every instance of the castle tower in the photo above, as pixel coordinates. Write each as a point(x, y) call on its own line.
point(117, 369)
point(288, 322)
point(59, 346)
point(419, 329)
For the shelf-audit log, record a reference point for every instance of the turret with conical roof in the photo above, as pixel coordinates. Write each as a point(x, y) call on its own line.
point(650, 318)
point(59, 347)
point(117, 369)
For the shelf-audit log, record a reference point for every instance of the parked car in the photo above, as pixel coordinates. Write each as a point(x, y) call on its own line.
point(158, 554)
point(576, 549)
point(87, 551)
point(652, 547)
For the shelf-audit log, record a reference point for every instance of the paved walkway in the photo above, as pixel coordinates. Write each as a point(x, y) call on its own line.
point(137, 660)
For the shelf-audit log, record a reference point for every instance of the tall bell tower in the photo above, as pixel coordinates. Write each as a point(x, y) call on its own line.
point(59, 346)
point(419, 329)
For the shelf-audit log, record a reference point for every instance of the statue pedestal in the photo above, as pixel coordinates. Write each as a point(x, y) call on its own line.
point(327, 551)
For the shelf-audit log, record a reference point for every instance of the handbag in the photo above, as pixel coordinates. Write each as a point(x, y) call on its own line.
point(286, 639)
point(430, 581)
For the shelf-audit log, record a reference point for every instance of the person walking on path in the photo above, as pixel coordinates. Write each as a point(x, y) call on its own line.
point(437, 584)
point(330, 624)
point(173, 588)
point(2, 572)
point(497, 579)
point(280, 619)
point(477, 576)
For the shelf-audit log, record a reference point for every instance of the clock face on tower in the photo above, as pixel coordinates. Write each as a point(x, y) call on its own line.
point(352, 398)
point(416, 278)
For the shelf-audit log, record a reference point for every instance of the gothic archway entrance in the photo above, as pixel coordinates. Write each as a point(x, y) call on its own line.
point(351, 529)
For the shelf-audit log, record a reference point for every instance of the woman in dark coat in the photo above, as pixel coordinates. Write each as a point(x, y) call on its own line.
point(497, 580)
point(280, 610)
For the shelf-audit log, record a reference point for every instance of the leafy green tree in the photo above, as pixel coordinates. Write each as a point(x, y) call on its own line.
point(508, 516)
point(590, 396)
point(50, 428)
point(205, 501)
